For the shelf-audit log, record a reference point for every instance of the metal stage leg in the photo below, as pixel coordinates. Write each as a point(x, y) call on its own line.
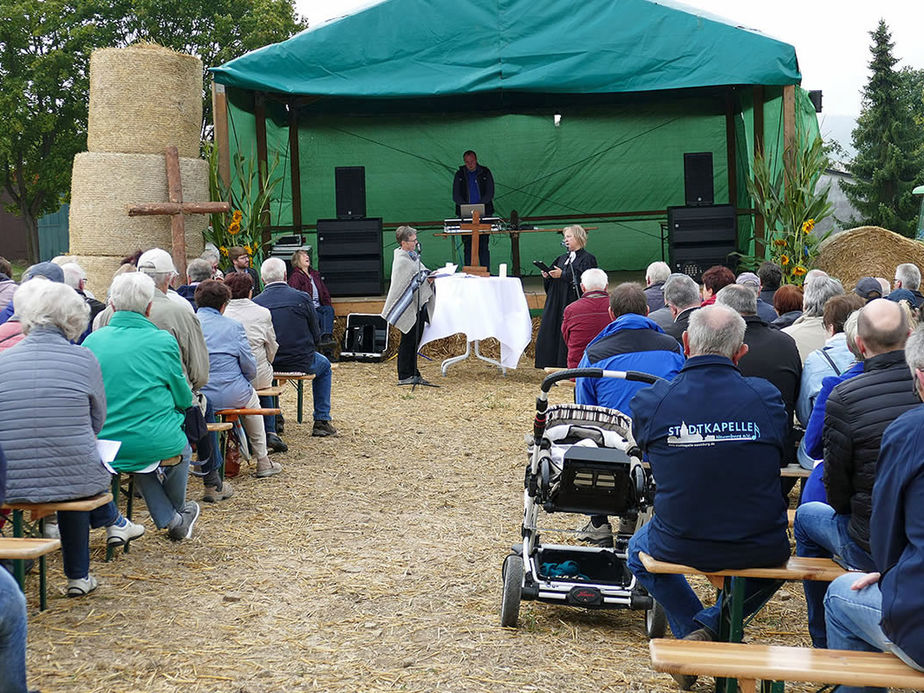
point(468, 352)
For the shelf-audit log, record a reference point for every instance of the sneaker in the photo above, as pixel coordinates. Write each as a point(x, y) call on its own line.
point(409, 381)
point(687, 681)
point(118, 535)
point(323, 428)
point(51, 531)
point(275, 444)
point(598, 536)
point(184, 529)
point(81, 586)
point(213, 494)
point(265, 468)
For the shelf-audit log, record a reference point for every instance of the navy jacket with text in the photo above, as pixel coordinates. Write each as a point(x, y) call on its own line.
point(897, 531)
point(630, 343)
point(714, 440)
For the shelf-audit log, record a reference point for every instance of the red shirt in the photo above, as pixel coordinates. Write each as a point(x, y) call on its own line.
point(583, 320)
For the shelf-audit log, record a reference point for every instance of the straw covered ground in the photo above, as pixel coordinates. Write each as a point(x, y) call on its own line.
point(372, 563)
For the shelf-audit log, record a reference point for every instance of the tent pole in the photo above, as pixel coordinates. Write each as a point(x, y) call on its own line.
point(296, 165)
point(759, 237)
point(730, 153)
point(260, 125)
point(220, 116)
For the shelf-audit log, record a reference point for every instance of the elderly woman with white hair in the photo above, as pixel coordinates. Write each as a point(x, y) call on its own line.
point(48, 425)
point(147, 397)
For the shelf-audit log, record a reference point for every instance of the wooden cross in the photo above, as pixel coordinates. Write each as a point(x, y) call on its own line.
point(476, 228)
point(176, 208)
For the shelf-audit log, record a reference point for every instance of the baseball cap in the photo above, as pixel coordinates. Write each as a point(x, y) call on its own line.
point(49, 270)
point(868, 288)
point(156, 260)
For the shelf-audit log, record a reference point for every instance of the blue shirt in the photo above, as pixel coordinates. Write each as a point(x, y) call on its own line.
point(714, 440)
point(474, 194)
point(817, 367)
point(231, 362)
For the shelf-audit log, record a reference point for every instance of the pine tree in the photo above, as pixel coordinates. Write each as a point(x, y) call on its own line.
point(890, 155)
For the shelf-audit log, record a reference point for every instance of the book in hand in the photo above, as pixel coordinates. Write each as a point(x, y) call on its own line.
point(541, 265)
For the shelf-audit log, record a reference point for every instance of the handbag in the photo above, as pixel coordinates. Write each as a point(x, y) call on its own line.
point(232, 458)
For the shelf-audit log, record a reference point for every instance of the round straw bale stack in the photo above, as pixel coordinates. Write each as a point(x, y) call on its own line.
point(867, 251)
point(104, 186)
point(143, 99)
point(100, 270)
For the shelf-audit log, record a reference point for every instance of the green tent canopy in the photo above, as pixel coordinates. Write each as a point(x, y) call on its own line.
point(582, 110)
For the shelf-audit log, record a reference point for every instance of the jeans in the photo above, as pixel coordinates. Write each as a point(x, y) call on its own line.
point(685, 612)
point(165, 499)
point(325, 319)
point(822, 533)
point(74, 527)
point(407, 349)
point(214, 461)
point(269, 422)
point(12, 636)
point(320, 386)
point(853, 619)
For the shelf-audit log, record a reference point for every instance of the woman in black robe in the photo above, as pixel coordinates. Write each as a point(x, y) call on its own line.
point(562, 286)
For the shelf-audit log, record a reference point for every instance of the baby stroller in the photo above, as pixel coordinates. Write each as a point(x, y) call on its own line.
point(582, 459)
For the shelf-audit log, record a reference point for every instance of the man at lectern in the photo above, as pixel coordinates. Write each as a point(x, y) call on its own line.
point(473, 184)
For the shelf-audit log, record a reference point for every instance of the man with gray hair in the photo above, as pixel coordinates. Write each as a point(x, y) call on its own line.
point(908, 277)
point(585, 318)
point(76, 278)
point(714, 439)
point(765, 311)
point(655, 276)
point(296, 325)
point(809, 330)
point(196, 272)
point(681, 294)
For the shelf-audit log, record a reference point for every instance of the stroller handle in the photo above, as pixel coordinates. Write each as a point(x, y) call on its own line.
point(596, 373)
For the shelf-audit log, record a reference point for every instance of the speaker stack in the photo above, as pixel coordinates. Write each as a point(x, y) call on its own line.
point(350, 256)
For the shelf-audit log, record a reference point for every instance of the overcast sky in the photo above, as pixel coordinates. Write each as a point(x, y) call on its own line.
point(831, 37)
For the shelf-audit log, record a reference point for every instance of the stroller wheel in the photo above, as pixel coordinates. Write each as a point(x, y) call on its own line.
point(655, 620)
point(513, 587)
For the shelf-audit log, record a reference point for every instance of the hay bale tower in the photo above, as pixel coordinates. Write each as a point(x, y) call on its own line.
point(142, 99)
point(867, 251)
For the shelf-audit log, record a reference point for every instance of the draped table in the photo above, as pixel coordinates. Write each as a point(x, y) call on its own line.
point(479, 308)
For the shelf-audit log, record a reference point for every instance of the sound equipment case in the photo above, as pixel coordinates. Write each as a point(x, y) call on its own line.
point(365, 338)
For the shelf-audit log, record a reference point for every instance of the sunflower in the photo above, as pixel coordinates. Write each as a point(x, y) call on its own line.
point(799, 271)
point(808, 225)
point(234, 228)
point(779, 242)
point(784, 259)
point(223, 250)
point(248, 249)
point(237, 215)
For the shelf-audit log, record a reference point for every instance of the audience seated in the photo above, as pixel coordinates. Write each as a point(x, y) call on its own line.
point(11, 332)
point(879, 611)
point(146, 395)
point(240, 262)
point(868, 288)
point(76, 278)
point(718, 504)
point(655, 276)
point(48, 426)
point(7, 285)
point(258, 324)
point(809, 330)
point(196, 271)
point(231, 369)
point(856, 414)
point(297, 331)
point(908, 277)
point(715, 278)
point(771, 276)
point(211, 256)
point(48, 270)
point(682, 297)
point(12, 620)
point(787, 302)
point(765, 310)
point(305, 278)
point(585, 318)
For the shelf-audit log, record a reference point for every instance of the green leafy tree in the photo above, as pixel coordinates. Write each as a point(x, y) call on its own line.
point(890, 155)
point(45, 48)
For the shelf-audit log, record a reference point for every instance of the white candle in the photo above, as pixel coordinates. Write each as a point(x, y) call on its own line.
point(502, 270)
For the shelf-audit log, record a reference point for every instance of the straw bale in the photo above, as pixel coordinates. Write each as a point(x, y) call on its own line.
point(143, 99)
point(100, 270)
point(867, 251)
point(104, 186)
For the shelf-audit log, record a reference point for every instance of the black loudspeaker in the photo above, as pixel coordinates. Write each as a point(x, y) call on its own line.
point(697, 179)
point(701, 237)
point(350, 183)
point(350, 256)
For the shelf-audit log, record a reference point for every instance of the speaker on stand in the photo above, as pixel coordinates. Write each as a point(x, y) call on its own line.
point(350, 188)
point(697, 179)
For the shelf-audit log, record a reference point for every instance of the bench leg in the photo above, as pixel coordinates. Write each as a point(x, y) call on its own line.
point(43, 601)
point(115, 499)
point(300, 390)
point(19, 566)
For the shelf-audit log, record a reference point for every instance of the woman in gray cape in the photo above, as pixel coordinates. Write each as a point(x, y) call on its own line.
point(409, 303)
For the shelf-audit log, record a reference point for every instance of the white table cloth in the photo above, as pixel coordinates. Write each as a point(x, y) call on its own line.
point(482, 307)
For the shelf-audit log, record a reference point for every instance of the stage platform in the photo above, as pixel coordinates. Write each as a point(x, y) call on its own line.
point(532, 286)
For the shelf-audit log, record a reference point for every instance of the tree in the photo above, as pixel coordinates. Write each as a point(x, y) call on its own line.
point(889, 144)
point(45, 48)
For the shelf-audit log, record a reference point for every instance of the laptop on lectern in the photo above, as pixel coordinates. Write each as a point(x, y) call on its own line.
point(466, 211)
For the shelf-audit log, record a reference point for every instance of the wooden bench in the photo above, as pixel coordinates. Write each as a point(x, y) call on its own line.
point(129, 492)
point(22, 549)
point(35, 528)
point(795, 471)
point(298, 379)
point(751, 663)
point(231, 417)
point(272, 391)
point(731, 582)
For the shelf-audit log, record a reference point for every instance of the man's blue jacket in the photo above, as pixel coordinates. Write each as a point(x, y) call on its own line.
point(714, 440)
point(630, 343)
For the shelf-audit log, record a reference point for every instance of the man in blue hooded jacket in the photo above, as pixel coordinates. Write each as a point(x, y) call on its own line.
point(881, 611)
